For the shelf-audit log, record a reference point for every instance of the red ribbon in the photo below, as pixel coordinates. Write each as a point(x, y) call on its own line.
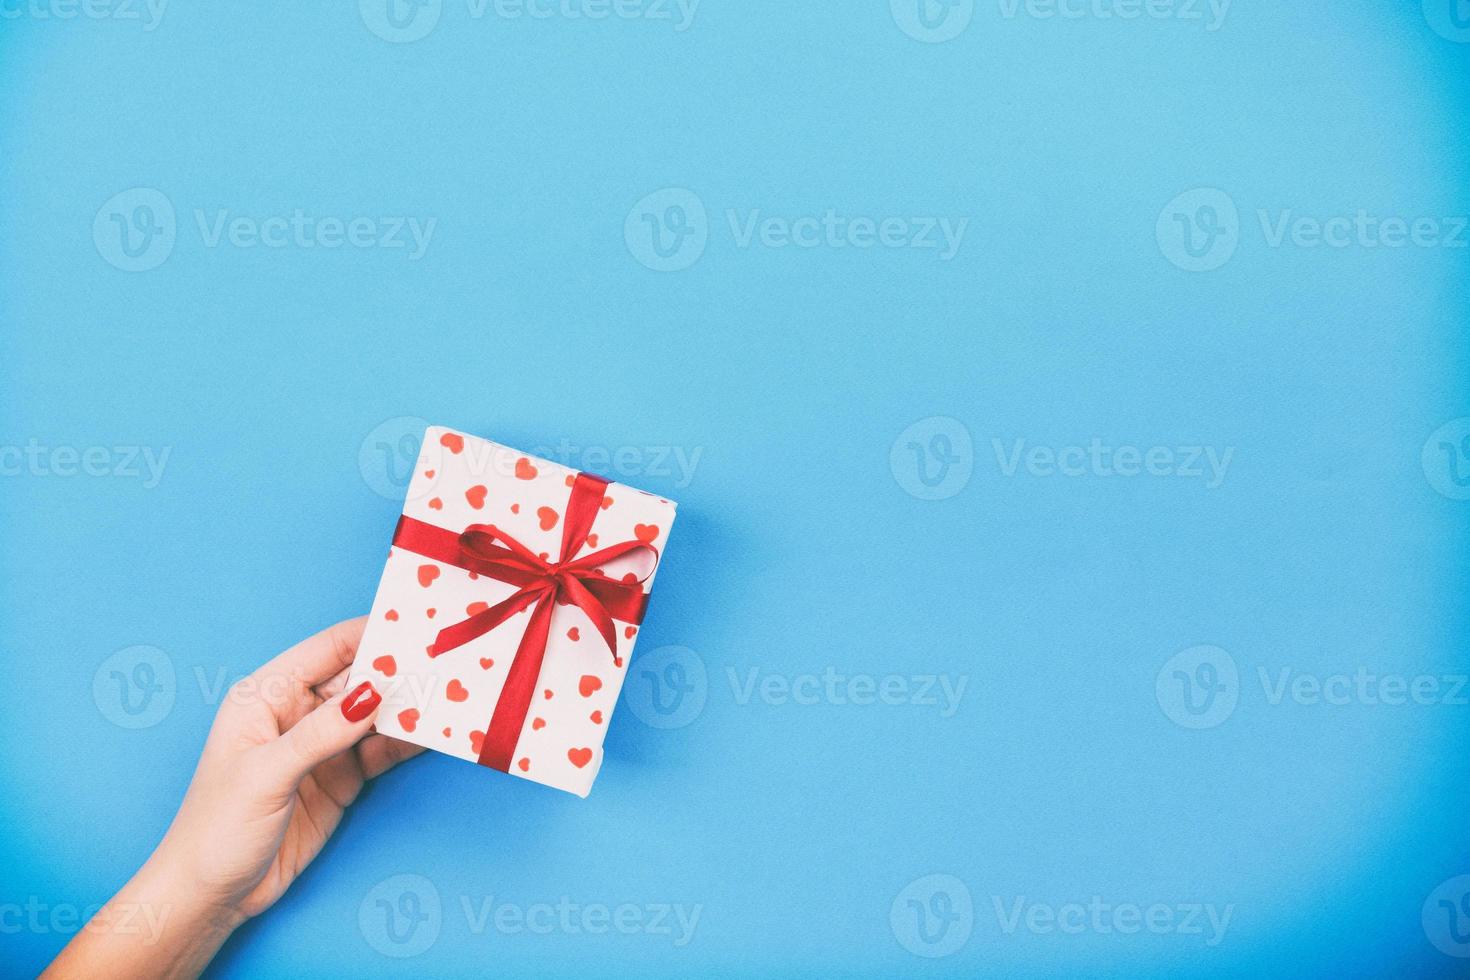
point(539, 583)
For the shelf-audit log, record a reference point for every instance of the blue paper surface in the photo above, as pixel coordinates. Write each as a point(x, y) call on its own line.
point(1066, 407)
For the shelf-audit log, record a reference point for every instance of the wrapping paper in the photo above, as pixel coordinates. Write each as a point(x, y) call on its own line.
point(478, 502)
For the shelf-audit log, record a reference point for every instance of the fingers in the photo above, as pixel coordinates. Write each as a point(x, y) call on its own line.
point(333, 686)
point(379, 753)
point(333, 727)
point(317, 658)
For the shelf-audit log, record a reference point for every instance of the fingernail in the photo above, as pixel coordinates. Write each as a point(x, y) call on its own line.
point(361, 702)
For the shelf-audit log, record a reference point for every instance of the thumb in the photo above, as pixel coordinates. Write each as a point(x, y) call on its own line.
point(332, 727)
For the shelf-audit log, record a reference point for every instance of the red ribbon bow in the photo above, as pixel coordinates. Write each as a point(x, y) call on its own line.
point(539, 582)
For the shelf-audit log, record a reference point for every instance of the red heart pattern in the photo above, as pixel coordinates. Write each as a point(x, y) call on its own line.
point(579, 735)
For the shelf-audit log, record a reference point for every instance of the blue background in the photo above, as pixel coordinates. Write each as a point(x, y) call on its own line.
point(529, 319)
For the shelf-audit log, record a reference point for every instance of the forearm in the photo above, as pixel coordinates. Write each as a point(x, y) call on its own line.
point(281, 761)
point(158, 925)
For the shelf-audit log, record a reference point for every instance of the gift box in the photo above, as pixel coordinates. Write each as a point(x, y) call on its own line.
point(508, 609)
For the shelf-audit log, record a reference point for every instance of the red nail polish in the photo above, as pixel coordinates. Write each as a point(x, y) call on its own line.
point(361, 702)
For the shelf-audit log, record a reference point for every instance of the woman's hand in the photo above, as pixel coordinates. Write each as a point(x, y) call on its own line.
point(285, 756)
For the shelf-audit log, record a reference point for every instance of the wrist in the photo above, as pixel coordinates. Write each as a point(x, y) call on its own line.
point(161, 924)
point(170, 881)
